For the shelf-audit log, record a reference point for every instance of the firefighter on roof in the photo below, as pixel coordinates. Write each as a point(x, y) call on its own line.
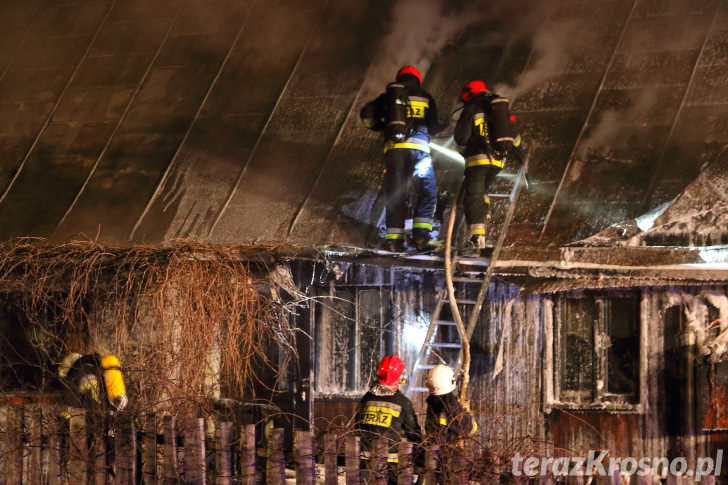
point(385, 412)
point(485, 135)
point(407, 115)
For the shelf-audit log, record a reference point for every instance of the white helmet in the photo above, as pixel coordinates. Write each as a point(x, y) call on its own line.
point(441, 380)
point(67, 363)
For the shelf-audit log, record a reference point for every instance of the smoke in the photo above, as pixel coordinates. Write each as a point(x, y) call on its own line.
point(553, 49)
point(420, 29)
point(612, 127)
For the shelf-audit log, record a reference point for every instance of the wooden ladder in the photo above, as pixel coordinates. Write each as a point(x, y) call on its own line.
point(443, 343)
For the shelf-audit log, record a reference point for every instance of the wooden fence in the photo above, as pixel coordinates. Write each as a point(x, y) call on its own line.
point(37, 447)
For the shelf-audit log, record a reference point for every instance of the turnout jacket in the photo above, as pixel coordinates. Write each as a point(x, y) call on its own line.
point(386, 413)
point(484, 131)
point(447, 419)
point(422, 116)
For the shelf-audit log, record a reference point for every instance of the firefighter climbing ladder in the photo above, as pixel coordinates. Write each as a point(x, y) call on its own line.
point(454, 335)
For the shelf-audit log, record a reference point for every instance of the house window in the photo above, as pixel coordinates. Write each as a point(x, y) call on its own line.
point(597, 349)
point(352, 334)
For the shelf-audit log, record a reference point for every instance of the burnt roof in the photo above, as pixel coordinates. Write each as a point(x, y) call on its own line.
point(237, 122)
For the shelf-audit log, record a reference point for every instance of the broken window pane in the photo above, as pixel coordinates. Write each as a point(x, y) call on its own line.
point(578, 317)
point(622, 325)
point(371, 303)
point(335, 339)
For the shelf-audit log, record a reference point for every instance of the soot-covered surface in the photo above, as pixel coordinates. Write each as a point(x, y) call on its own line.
point(237, 122)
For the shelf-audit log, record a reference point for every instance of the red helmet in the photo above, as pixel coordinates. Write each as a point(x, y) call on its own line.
point(390, 370)
point(410, 70)
point(472, 88)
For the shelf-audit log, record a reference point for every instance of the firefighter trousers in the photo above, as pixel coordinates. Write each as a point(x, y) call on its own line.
point(478, 180)
point(405, 165)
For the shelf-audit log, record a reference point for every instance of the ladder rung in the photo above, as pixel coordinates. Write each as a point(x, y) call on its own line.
point(462, 302)
point(445, 345)
point(426, 366)
point(465, 279)
point(419, 389)
point(444, 322)
point(499, 196)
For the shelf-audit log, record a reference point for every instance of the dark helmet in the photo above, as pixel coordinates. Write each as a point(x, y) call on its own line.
point(471, 89)
point(409, 70)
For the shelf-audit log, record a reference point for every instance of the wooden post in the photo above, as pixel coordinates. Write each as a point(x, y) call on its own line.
point(276, 466)
point(645, 479)
point(304, 457)
point(55, 455)
point(457, 465)
point(14, 444)
point(97, 459)
point(195, 473)
point(247, 455)
point(126, 450)
point(33, 424)
point(404, 463)
point(171, 472)
point(224, 456)
point(78, 443)
point(379, 460)
point(330, 460)
point(431, 464)
point(149, 449)
point(352, 452)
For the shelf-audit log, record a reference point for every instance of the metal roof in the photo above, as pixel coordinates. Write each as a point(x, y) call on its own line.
point(237, 122)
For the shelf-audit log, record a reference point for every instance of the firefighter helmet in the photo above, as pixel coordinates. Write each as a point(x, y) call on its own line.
point(67, 363)
point(390, 370)
point(471, 89)
point(441, 380)
point(409, 70)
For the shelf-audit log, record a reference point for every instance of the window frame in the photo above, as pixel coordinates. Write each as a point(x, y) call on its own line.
point(322, 344)
point(597, 398)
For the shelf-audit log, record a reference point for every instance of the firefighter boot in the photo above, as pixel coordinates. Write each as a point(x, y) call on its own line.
point(473, 246)
point(428, 245)
point(394, 245)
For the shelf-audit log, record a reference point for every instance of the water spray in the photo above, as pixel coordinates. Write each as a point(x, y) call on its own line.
point(452, 154)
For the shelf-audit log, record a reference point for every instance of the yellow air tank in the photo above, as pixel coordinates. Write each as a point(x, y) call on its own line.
point(114, 381)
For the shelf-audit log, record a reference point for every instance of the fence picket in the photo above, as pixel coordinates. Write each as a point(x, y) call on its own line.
point(171, 470)
point(276, 465)
point(247, 458)
point(379, 459)
point(195, 472)
point(404, 464)
point(78, 453)
point(305, 457)
point(14, 445)
point(55, 453)
point(223, 457)
point(126, 450)
point(149, 449)
point(431, 464)
point(352, 450)
point(97, 460)
point(33, 423)
point(330, 460)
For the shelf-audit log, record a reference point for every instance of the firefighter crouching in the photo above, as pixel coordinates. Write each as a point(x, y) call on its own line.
point(384, 412)
point(485, 135)
point(448, 422)
point(93, 382)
